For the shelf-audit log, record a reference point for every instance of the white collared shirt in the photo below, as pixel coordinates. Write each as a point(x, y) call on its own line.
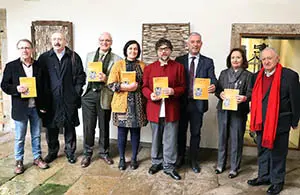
point(196, 61)
point(29, 73)
point(268, 74)
point(61, 54)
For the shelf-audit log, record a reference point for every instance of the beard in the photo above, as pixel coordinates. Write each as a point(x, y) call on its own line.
point(164, 58)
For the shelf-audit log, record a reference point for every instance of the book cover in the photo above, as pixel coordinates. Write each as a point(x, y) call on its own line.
point(200, 90)
point(230, 101)
point(159, 83)
point(30, 83)
point(128, 77)
point(94, 68)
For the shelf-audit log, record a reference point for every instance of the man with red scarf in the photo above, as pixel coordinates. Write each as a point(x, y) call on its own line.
point(275, 108)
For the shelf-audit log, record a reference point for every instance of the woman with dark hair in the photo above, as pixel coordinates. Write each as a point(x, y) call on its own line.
point(128, 102)
point(233, 123)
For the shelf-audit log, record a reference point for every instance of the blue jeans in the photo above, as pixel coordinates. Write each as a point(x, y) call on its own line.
point(35, 131)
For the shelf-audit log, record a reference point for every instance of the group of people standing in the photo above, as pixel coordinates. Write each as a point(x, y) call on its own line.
point(62, 88)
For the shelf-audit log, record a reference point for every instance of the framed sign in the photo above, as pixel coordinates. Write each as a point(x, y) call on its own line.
point(41, 32)
point(177, 33)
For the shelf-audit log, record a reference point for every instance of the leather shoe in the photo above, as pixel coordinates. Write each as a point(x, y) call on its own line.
point(122, 164)
point(179, 161)
point(173, 174)
point(50, 157)
point(134, 164)
point(218, 171)
point(107, 159)
point(232, 174)
point(19, 167)
point(155, 168)
point(40, 163)
point(275, 189)
point(195, 167)
point(71, 159)
point(86, 161)
point(258, 182)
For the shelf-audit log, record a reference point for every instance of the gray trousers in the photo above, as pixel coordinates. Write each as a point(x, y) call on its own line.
point(164, 144)
point(233, 125)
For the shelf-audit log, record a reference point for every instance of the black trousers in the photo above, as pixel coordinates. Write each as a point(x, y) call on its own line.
point(70, 140)
point(91, 111)
point(272, 162)
point(190, 114)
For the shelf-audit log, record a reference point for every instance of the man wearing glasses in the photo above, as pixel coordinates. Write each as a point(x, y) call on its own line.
point(24, 109)
point(163, 113)
point(96, 100)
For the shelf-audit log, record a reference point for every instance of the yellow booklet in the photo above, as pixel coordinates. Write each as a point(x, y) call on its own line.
point(201, 88)
point(230, 101)
point(94, 68)
point(128, 77)
point(30, 83)
point(159, 83)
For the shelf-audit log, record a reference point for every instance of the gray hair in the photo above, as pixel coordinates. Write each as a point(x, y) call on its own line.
point(24, 40)
point(193, 34)
point(269, 49)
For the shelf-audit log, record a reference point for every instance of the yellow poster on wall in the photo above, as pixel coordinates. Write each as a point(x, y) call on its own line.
point(160, 83)
point(201, 88)
point(230, 101)
point(94, 68)
point(128, 77)
point(30, 83)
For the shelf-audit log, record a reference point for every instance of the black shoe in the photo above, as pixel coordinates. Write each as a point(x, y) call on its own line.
point(195, 167)
point(218, 171)
point(86, 161)
point(155, 168)
point(179, 161)
point(275, 189)
point(258, 182)
point(50, 157)
point(106, 158)
point(71, 158)
point(173, 174)
point(134, 164)
point(122, 164)
point(232, 174)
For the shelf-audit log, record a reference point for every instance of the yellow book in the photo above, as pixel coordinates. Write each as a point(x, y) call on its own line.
point(30, 83)
point(230, 101)
point(128, 77)
point(159, 83)
point(201, 88)
point(94, 68)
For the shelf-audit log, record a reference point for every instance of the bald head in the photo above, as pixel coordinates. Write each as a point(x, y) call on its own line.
point(105, 41)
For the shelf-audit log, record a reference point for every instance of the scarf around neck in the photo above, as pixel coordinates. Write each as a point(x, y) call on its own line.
point(270, 124)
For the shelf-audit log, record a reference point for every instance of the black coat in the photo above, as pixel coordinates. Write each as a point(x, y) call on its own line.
point(243, 83)
point(65, 81)
point(12, 72)
point(289, 110)
point(205, 69)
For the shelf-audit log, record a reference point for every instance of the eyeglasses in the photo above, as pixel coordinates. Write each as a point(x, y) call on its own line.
point(163, 49)
point(104, 40)
point(24, 48)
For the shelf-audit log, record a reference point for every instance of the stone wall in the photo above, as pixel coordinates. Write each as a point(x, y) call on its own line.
point(176, 33)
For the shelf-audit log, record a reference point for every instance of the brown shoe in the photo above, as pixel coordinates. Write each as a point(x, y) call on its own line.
point(40, 163)
point(107, 159)
point(86, 161)
point(19, 167)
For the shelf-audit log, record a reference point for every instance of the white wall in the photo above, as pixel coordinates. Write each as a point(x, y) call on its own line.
point(124, 20)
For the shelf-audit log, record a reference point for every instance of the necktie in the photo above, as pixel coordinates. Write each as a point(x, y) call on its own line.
point(191, 77)
point(101, 57)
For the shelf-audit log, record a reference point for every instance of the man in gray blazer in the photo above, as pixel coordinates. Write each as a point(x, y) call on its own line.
point(96, 101)
point(191, 110)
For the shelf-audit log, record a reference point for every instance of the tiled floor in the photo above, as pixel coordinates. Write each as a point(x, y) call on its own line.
point(100, 178)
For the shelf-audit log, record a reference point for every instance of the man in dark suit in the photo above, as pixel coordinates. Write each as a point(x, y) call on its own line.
point(195, 66)
point(24, 109)
point(66, 76)
point(275, 108)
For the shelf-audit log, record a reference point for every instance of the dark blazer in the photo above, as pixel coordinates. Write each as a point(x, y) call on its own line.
point(289, 110)
point(12, 72)
point(243, 83)
point(205, 69)
point(66, 79)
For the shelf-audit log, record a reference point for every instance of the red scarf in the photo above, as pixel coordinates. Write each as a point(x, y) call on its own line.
point(272, 113)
